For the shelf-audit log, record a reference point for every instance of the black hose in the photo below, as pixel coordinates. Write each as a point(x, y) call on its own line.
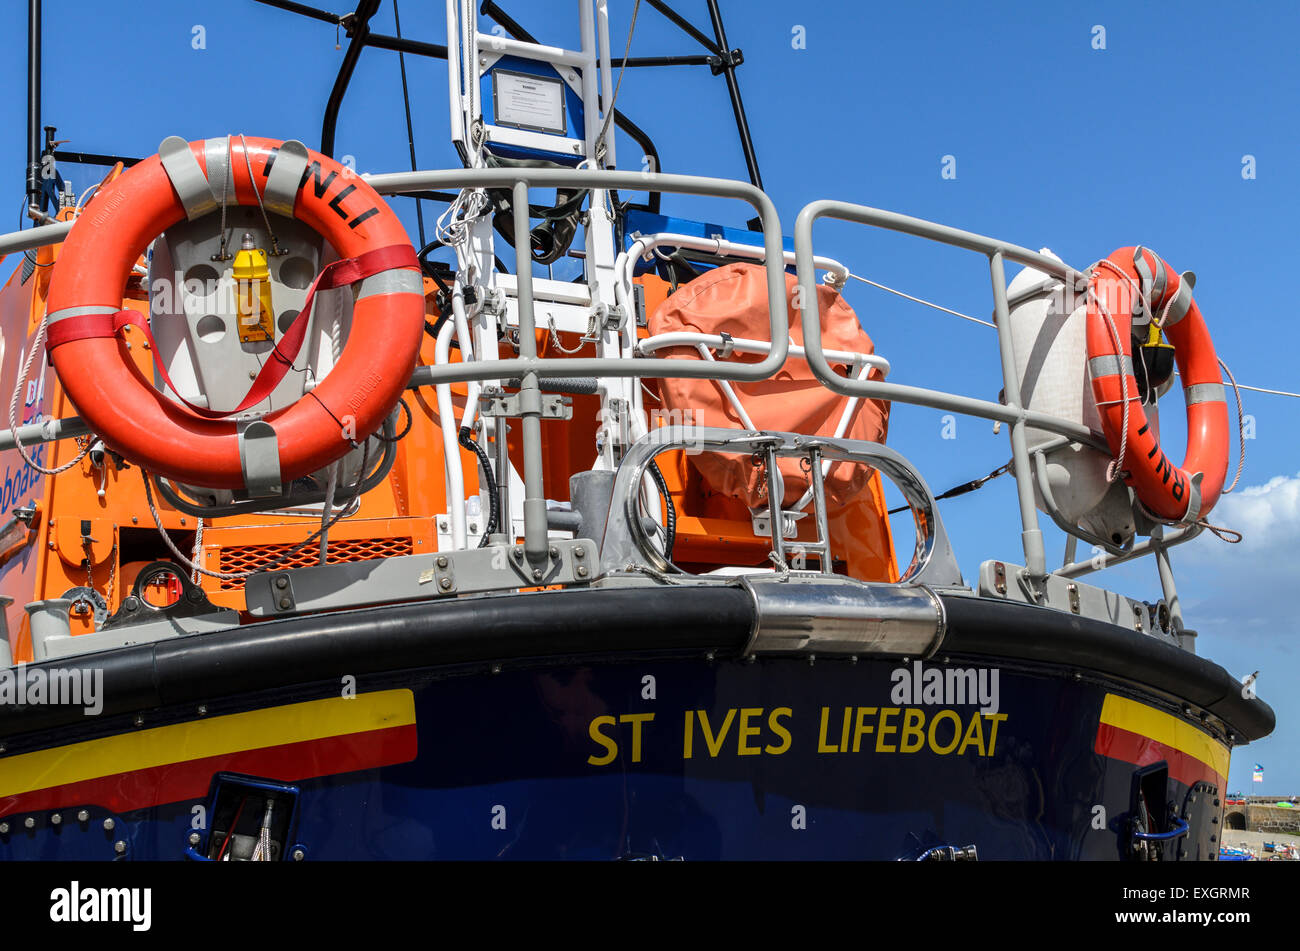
point(670, 511)
point(466, 439)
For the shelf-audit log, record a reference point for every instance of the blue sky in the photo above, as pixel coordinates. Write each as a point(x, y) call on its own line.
point(1056, 144)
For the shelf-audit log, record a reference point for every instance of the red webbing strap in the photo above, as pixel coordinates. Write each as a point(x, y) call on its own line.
point(338, 274)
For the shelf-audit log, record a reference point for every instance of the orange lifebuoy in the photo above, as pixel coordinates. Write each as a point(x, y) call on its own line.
point(204, 448)
point(1132, 277)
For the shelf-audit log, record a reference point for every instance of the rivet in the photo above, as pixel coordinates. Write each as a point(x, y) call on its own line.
point(282, 582)
point(299, 855)
point(29, 823)
point(195, 838)
point(135, 519)
point(708, 655)
point(4, 828)
point(496, 668)
point(119, 846)
point(139, 720)
point(56, 819)
point(285, 604)
point(442, 561)
point(182, 519)
point(473, 526)
point(445, 584)
point(109, 825)
point(83, 815)
point(203, 709)
point(252, 374)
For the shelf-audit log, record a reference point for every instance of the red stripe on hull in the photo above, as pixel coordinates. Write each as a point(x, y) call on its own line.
point(192, 779)
point(1140, 750)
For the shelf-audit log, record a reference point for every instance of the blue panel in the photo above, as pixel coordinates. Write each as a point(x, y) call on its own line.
point(574, 114)
point(645, 222)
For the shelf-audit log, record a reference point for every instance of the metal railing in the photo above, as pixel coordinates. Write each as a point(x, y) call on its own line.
point(1011, 410)
point(528, 368)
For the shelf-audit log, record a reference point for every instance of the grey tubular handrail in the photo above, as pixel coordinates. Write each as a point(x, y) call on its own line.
point(1011, 411)
point(396, 183)
point(32, 238)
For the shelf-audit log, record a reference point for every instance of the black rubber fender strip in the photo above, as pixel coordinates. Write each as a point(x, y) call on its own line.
point(290, 651)
point(987, 626)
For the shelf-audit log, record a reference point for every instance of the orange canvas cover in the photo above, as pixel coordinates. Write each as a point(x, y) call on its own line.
point(733, 299)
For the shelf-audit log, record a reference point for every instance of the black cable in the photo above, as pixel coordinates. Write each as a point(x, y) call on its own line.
point(466, 439)
point(410, 133)
point(410, 421)
point(670, 511)
point(962, 489)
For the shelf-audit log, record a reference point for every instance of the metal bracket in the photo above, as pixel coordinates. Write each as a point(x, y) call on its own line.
point(259, 457)
point(187, 177)
point(419, 577)
point(281, 189)
point(496, 403)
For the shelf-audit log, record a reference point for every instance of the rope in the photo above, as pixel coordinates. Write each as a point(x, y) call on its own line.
point(1241, 430)
point(19, 386)
point(1116, 465)
point(257, 193)
point(609, 113)
point(920, 300)
point(245, 575)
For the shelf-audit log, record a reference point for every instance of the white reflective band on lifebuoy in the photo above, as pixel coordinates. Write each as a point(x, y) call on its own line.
point(187, 177)
point(1180, 305)
point(1110, 365)
point(286, 176)
point(1204, 393)
point(87, 310)
point(394, 281)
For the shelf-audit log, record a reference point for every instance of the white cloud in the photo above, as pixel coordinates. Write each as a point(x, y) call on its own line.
point(1251, 587)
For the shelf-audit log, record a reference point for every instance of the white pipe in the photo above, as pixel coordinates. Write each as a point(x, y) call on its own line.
point(455, 472)
point(457, 105)
point(745, 345)
point(728, 392)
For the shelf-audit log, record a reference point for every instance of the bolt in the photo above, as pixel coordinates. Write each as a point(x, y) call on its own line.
point(285, 604)
point(182, 519)
point(29, 823)
point(139, 720)
point(496, 668)
point(445, 584)
point(519, 553)
point(203, 709)
point(282, 582)
point(473, 526)
point(553, 552)
point(482, 60)
point(442, 561)
point(579, 552)
point(56, 819)
point(4, 828)
point(119, 846)
point(195, 838)
point(252, 374)
point(582, 572)
point(109, 825)
point(537, 574)
point(135, 519)
point(708, 656)
point(299, 855)
point(83, 815)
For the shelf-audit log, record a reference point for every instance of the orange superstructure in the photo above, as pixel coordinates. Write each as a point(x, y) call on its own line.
point(90, 527)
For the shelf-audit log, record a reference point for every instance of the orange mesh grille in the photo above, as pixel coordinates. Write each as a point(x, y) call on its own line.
point(249, 557)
